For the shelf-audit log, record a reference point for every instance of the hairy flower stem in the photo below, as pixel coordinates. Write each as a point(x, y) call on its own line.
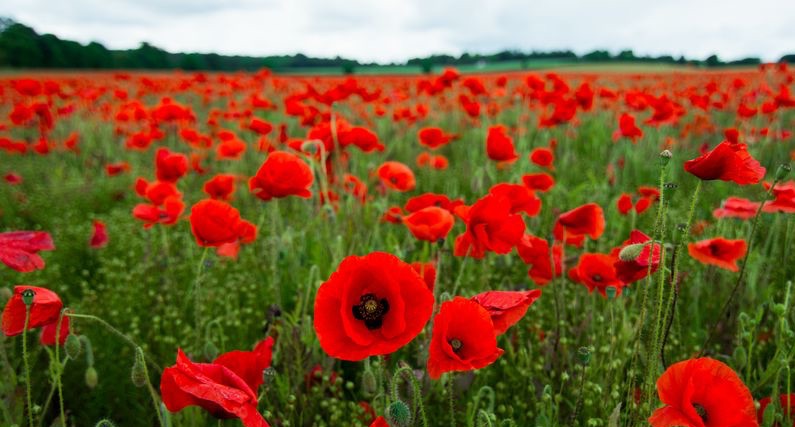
point(724, 312)
point(152, 393)
point(59, 372)
point(27, 364)
point(116, 332)
point(197, 300)
point(450, 398)
point(419, 408)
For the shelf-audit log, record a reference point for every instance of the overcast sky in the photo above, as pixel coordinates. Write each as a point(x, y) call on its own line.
point(395, 30)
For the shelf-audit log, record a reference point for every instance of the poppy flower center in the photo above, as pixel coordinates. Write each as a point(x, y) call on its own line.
point(701, 411)
point(597, 277)
point(371, 310)
point(456, 344)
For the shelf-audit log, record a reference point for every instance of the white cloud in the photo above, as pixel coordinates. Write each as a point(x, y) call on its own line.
point(394, 30)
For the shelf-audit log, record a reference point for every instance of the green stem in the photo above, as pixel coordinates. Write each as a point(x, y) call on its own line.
point(115, 331)
point(416, 389)
point(27, 364)
point(197, 303)
point(450, 398)
point(59, 373)
point(152, 393)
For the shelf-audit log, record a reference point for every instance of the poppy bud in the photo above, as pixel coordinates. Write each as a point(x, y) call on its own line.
point(91, 377)
point(779, 309)
point(6, 294)
point(268, 374)
point(631, 252)
point(398, 414)
point(782, 171)
point(369, 383)
point(665, 157)
point(584, 355)
point(104, 423)
point(138, 372)
point(739, 356)
point(73, 347)
point(611, 292)
point(210, 350)
point(27, 296)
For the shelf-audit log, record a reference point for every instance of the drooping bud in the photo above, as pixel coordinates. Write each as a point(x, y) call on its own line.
point(138, 371)
point(782, 171)
point(398, 414)
point(631, 252)
point(665, 157)
point(210, 350)
point(369, 383)
point(92, 378)
point(27, 296)
point(73, 347)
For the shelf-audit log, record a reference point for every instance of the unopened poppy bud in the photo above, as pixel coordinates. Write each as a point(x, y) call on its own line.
point(73, 347)
point(584, 355)
point(631, 252)
point(6, 294)
point(104, 423)
point(610, 291)
point(739, 356)
point(210, 350)
point(138, 372)
point(782, 171)
point(779, 309)
point(369, 383)
point(91, 377)
point(27, 296)
point(398, 414)
point(665, 157)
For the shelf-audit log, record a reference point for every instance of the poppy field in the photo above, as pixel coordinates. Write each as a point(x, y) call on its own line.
point(517, 249)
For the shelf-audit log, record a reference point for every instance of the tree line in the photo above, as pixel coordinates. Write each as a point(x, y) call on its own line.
point(22, 47)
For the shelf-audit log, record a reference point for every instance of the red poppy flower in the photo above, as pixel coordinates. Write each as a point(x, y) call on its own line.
point(168, 214)
point(596, 272)
point(536, 252)
point(249, 365)
point(394, 215)
point(45, 309)
point(19, 249)
point(703, 393)
point(282, 174)
point(170, 167)
point(736, 207)
point(538, 181)
point(13, 178)
point(99, 238)
point(439, 162)
point(506, 307)
point(48, 332)
point(490, 227)
point(727, 162)
point(585, 220)
point(214, 223)
point(624, 204)
point(463, 338)
point(213, 387)
point(432, 199)
point(372, 305)
point(363, 138)
point(260, 126)
point(719, 252)
point(499, 146)
point(433, 137)
point(522, 199)
point(648, 192)
point(355, 187)
point(397, 176)
point(643, 205)
point(634, 257)
point(787, 402)
point(784, 199)
point(113, 169)
point(156, 192)
point(220, 187)
point(426, 270)
point(431, 224)
point(627, 127)
point(379, 422)
point(543, 157)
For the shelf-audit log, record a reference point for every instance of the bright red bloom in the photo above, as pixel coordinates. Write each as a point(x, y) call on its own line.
point(784, 198)
point(643, 204)
point(736, 207)
point(432, 199)
point(463, 338)
point(719, 252)
point(45, 309)
point(372, 305)
point(397, 176)
point(168, 214)
point(431, 224)
point(522, 199)
point(249, 365)
point(426, 270)
point(282, 174)
point(260, 126)
point(535, 251)
point(633, 262)
point(538, 181)
point(19, 249)
point(48, 332)
point(99, 238)
point(214, 223)
point(13, 178)
point(597, 272)
point(365, 139)
point(211, 386)
point(379, 422)
point(787, 402)
point(727, 162)
point(394, 215)
point(499, 146)
point(585, 220)
point(703, 393)
point(434, 137)
point(490, 227)
point(627, 127)
point(506, 307)
point(220, 187)
point(624, 204)
point(543, 157)
point(170, 167)
point(113, 169)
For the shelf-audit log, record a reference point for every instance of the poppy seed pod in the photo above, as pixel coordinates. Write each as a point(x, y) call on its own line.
point(27, 296)
point(584, 355)
point(398, 414)
point(782, 171)
point(104, 423)
point(73, 347)
point(665, 157)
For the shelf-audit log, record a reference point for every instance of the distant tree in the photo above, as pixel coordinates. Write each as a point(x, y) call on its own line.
point(790, 58)
point(712, 61)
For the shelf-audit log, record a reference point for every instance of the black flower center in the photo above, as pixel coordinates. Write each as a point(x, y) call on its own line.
point(597, 277)
point(456, 344)
point(371, 310)
point(701, 411)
